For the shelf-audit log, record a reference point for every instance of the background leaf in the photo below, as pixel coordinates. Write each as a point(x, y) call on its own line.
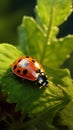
point(52, 12)
point(58, 51)
point(31, 41)
point(50, 53)
point(41, 40)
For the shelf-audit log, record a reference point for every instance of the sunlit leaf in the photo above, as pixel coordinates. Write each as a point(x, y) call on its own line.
point(8, 54)
point(52, 12)
point(35, 43)
point(29, 98)
point(58, 51)
point(31, 37)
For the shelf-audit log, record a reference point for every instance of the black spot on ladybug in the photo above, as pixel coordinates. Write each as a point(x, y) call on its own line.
point(27, 56)
point(18, 71)
point(14, 67)
point(25, 72)
point(19, 60)
point(38, 71)
point(33, 61)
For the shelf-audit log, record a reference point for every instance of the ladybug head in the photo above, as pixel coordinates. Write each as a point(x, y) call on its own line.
point(42, 80)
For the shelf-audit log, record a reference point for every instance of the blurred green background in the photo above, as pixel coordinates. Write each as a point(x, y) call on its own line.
point(11, 13)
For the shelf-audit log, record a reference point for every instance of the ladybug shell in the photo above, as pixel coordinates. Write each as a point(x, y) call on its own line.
point(27, 68)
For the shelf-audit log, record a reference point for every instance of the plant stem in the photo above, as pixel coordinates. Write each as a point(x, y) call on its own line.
point(47, 38)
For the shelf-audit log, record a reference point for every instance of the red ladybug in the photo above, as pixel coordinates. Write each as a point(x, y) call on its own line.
point(28, 68)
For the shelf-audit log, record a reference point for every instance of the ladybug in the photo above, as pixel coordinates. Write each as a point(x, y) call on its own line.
point(30, 69)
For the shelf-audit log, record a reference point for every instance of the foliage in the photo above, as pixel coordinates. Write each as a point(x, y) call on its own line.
point(37, 38)
point(45, 35)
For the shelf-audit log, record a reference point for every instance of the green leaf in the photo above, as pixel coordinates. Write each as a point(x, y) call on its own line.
point(38, 37)
point(51, 53)
point(66, 117)
point(52, 12)
point(31, 41)
point(58, 51)
point(29, 98)
point(61, 77)
point(41, 123)
point(8, 54)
